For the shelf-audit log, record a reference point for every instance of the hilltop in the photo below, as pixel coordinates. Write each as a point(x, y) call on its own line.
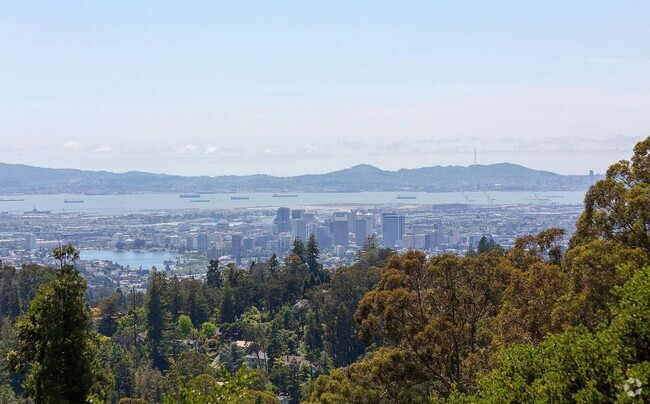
point(18, 178)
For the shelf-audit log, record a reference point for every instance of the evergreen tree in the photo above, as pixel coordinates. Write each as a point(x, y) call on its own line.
point(213, 276)
point(55, 340)
point(299, 249)
point(274, 263)
point(227, 309)
point(313, 253)
point(157, 317)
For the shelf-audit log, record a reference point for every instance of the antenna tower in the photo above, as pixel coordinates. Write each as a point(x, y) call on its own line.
point(475, 159)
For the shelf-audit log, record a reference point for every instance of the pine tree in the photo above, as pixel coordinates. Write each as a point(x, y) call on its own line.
point(299, 249)
point(274, 263)
point(313, 253)
point(55, 340)
point(214, 277)
point(158, 318)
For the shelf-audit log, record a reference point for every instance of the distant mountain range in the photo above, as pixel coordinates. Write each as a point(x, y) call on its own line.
point(18, 178)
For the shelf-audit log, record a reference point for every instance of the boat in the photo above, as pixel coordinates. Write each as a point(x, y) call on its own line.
point(11, 200)
point(239, 198)
point(39, 212)
point(73, 201)
point(407, 197)
point(190, 195)
point(200, 200)
point(284, 195)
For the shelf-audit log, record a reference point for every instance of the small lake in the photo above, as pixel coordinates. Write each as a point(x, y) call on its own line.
point(133, 259)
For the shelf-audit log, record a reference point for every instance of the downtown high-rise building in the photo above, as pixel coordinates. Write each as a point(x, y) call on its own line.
point(30, 242)
point(236, 247)
point(393, 228)
point(363, 228)
point(340, 231)
point(283, 220)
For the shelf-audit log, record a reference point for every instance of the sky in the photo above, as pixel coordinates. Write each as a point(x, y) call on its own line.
point(293, 87)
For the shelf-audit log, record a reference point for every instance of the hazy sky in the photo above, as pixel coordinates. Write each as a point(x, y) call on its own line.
point(289, 87)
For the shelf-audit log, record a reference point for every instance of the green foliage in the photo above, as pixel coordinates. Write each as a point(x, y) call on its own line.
point(56, 347)
point(158, 318)
point(208, 330)
point(434, 316)
point(184, 325)
point(110, 311)
point(240, 388)
point(299, 249)
point(214, 278)
point(149, 384)
point(593, 271)
point(618, 207)
point(189, 365)
point(578, 365)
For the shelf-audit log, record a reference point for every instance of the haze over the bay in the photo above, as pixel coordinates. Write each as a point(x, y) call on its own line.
point(287, 88)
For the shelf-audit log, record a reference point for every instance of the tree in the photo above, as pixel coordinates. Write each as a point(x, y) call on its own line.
point(184, 325)
point(485, 245)
point(55, 341)
point(109, 311)
point(274, 263)
point(432, 316)
point(189, 365)
point(213, 277)
point(618, 207)
point(578, 365)
point(299, 249)
point(157, 317)
point(312, 255)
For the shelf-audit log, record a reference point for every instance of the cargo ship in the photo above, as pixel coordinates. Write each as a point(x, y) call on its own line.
point(407, 197)
point(239, 198)
point(284, 195)
point(73, 201)
point(200, 200)
point(190, 196)
point(11, 200)
point(39, 212)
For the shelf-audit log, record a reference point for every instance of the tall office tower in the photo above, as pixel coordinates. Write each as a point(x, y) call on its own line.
point(190, 243)
point(348, 216)
point(340, 231)
point(311, 229)
point(247, 243)
point(299, 229)
point(283, 220)
point(30, 242)
point(362, 229)
point(202, 243)
point(236, 247)
point(591, 177)
point(393, 227)
point(323, 237)
point(297, 213)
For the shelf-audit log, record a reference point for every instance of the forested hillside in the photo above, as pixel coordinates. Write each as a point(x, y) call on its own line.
point(536, 323)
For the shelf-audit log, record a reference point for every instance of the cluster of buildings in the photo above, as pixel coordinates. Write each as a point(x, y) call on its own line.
point(253, 234)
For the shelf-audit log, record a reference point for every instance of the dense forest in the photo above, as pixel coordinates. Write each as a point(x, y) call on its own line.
point(536, 323)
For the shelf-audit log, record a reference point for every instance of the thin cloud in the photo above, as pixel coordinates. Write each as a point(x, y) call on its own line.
point(612, 61)
point(103, 149)
point(72, 145)
point(187, 149)
point(209, 149)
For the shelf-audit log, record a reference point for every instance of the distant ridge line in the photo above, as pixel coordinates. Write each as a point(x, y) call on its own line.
point(20, 178)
